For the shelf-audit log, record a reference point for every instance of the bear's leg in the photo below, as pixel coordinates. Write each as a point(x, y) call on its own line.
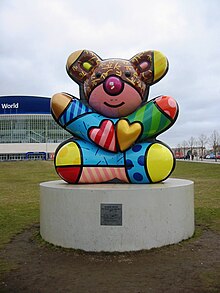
point(149, 162)
point(77, 161)
point(68, 160)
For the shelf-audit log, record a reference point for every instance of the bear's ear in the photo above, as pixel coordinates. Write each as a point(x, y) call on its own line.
point(152, 65)
point(80, 64)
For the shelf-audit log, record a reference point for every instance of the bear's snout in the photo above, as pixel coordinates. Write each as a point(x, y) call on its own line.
point(113, 85)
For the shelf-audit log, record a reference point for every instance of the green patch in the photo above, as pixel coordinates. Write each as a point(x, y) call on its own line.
point(206, 178)
point(19, 195)
point(211, 279)
point(208, 217)
point(5, 266)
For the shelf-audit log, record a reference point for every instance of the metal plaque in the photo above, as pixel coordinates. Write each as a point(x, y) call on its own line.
point(111, 214)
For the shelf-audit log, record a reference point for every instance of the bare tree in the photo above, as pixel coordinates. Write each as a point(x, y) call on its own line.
point(202, 141)
point(191, 143)
point(215, 142)
point(184, 146)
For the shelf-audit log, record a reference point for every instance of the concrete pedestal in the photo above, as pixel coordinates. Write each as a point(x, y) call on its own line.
point(116, 217)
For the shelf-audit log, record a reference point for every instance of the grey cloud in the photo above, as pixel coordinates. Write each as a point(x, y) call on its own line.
point(37, 37)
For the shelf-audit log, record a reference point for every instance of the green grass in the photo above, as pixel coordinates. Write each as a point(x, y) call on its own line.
point(19, 193)
point(206, 178)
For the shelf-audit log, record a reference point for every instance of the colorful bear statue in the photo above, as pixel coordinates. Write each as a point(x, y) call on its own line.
point(113, 126)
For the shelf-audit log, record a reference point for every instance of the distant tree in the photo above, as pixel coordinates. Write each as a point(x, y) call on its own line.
point(203, 139)
point(178, 147)
point(215, 142)
point(184, 146)
point(191, 144)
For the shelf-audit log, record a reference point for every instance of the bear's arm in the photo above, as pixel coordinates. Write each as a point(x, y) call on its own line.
point(156, 116)
point(82, 122)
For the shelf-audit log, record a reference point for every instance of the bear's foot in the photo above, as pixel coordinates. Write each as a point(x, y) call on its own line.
point(149, 162)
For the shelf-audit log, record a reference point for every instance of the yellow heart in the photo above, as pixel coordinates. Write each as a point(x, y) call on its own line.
point(127, 133)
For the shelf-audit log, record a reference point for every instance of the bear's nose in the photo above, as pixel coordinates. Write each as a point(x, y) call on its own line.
point(113, 85)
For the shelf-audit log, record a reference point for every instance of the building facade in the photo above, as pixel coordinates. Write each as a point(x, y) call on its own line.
point(27, 129)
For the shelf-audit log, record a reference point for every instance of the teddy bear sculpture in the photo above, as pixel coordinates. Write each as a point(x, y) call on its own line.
point(114, 128)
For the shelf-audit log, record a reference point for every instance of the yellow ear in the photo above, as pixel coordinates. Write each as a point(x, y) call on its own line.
point(151, 65)
point(160, 65)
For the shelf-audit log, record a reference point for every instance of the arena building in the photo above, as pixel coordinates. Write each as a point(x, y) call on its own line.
point(27, 129)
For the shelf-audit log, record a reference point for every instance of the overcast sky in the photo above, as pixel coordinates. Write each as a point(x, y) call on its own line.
point(37, 36)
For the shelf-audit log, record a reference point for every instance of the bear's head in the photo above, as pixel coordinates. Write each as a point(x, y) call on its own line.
point(116, 87)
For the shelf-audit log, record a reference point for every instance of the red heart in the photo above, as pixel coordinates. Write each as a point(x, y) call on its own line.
point(104, 135)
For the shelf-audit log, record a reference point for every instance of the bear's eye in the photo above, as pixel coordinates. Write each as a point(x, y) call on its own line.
point(98, 74)
point(127, 73)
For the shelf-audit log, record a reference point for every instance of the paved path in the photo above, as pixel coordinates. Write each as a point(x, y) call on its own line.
point(209, 161)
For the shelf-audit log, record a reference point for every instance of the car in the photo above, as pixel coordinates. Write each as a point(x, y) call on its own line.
point(210, 156)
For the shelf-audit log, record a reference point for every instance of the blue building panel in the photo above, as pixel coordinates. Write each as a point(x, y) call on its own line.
point(24, 105)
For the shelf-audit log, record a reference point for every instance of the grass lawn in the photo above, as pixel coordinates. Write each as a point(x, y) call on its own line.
point(19, 193)
point(206, 177)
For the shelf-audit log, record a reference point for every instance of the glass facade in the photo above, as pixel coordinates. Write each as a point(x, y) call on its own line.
point(31, 129)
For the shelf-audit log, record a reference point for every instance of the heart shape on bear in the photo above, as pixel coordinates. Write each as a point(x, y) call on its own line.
point(127, 133)
point(104, 135)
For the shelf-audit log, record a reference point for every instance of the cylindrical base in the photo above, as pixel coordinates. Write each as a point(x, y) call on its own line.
point(116, 217)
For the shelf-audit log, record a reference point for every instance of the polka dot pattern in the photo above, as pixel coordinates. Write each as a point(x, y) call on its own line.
point(136, 148)
point(141, 160)
point(137, 176)
point(129, 164)
point(136, 162)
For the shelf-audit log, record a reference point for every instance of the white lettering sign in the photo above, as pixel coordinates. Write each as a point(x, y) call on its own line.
point(10, 106)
